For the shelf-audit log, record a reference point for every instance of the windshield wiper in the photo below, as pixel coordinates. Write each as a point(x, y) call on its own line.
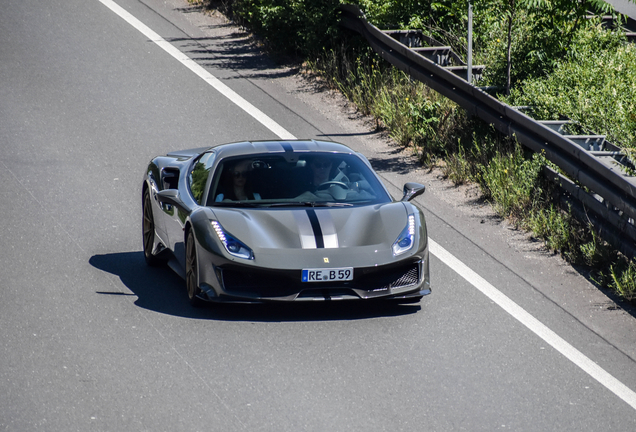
point(293, 204)
point(236, 204)
point(310, 204)
point(332, 204)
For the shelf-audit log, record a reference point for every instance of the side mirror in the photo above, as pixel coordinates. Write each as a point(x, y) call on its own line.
point(412, 190)
point(170, 196)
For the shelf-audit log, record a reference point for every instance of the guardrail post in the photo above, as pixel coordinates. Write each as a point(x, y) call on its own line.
point(469, 60)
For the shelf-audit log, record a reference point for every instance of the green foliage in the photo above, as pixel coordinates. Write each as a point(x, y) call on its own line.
point(444, 20)
point(623, 279)
point(423, 116)
point(512, 181)
point(541, 32)
point(596, 252)
point(595, 86)
point(296, 27)
point(553, 226)
point(458, 168)
point(410, 111)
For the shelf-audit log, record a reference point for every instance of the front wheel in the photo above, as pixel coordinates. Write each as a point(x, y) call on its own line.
point(192, 271)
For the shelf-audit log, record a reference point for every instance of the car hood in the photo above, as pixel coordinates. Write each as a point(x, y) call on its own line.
point(317, 237)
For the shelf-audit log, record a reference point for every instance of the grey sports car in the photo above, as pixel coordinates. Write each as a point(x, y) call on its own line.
point(290, 220)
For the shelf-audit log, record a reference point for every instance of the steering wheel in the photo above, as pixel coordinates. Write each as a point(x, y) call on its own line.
point(328, 184)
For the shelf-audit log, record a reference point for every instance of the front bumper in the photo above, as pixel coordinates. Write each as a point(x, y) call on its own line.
point(406, 280)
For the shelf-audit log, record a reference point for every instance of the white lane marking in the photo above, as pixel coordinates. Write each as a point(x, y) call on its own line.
point(257, 114)
point(520, 314)
point(536, 326)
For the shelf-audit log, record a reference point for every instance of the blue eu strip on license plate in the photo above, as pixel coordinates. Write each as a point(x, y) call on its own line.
point(327, 274)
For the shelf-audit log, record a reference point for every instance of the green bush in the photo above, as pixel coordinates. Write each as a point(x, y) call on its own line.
point(557, 229)
point(444, 20)
point(595, 86)
point(623, 279)
point(512, 181)
point(412, 113)
point(296, 27)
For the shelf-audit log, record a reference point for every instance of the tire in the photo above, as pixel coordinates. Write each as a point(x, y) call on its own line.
point(192, 271)
point(148, 231)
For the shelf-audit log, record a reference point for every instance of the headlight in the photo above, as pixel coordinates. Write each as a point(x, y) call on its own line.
point(233, 245)
point(406, 239)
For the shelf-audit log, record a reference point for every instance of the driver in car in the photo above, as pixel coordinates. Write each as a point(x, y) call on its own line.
point(325, 181)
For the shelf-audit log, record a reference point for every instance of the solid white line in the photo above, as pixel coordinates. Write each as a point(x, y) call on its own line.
point(257, 114)
point(520, 314)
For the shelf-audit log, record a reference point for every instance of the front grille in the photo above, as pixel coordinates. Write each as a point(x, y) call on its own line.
point(409, 278)
point(246, 281)
point(388, 277)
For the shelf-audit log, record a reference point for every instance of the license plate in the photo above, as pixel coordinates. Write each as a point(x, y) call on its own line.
point(327, 274)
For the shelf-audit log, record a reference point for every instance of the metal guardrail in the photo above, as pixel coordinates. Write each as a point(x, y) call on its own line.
point(436, 52)
point(602, 184)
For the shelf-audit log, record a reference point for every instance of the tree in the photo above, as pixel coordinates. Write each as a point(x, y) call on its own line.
point(555, 22)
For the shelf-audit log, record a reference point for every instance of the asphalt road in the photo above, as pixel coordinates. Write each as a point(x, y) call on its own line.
point(92, 339)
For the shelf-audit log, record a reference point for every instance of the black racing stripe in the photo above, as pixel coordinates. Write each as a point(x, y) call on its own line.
point(315, 225)
point(287, 147)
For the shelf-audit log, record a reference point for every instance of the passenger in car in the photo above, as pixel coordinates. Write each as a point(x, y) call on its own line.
point(320, 171)
point(236, 184)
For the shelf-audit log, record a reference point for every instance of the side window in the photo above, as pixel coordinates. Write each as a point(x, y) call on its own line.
point(199, 175)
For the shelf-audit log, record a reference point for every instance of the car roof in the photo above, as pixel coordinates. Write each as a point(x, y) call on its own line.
point(279, 146)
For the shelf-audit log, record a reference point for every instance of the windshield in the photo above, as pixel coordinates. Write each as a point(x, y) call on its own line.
point(310, 179)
